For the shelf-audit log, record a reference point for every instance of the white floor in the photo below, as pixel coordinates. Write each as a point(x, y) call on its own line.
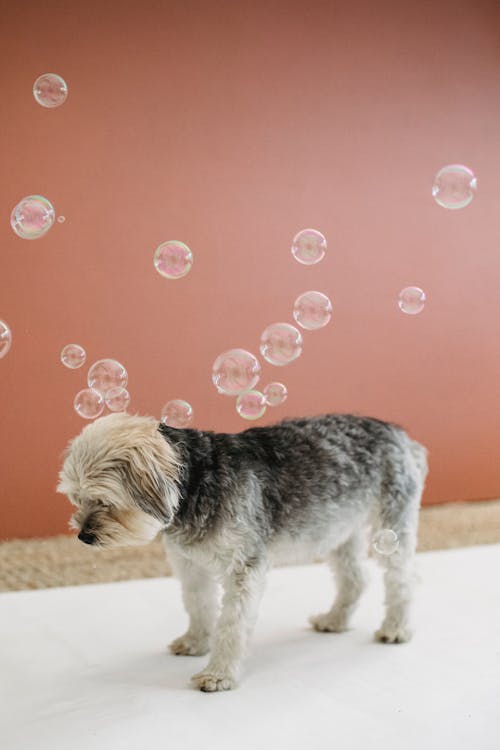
point(86, 668)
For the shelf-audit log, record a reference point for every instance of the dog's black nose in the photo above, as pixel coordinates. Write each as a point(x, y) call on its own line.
point(86, 537)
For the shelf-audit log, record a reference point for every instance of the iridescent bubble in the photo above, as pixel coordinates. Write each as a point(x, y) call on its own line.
point(385, 542)
point(173, 259)
point(117, 399)
point(251, 404)
point(89, 403)
point(411, 300)
point(454, 186)
point(32, 217)
point(275, 394)
point(281, 343)
point(235, 371)
point(312, 310)
point(309, 246)
point(50, 90)
point(61, 219)
point(73, 356)
point(107, 374)
point(177, 413)
point(5, 338)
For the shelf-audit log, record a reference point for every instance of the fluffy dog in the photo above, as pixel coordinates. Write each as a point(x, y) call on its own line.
point(229, 506)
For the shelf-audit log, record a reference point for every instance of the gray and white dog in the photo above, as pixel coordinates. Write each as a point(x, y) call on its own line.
point(229, 506)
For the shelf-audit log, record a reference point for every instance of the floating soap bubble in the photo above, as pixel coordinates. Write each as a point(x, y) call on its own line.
point(251, 404)
point(454, 186)
point(385, 542)
point(235, 371)
point(275, 394)
point(281, 343)
point(173, 259)
point(32, 217)
point(89, 403)
point(177, 413)
point(309, 247)
point(73, 356)
point(5, 338)
point(106, 374)
point(411, 300)
point(312, 310)
point(117, 399)
point(61, 219)
point(50, 90)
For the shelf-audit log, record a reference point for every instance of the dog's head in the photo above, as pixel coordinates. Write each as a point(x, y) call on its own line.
point(121, 475)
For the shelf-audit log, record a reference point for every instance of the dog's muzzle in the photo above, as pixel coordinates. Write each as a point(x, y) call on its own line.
point(86, 537)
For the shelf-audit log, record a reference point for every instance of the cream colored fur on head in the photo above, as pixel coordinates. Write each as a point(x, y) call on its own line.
point(121, 475)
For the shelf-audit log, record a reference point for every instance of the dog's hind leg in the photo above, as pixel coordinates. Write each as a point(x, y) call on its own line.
point(347, 563)
point(399, 511)
point(199, 594)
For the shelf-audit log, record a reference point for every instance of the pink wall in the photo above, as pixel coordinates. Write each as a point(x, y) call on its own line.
point(230, 126)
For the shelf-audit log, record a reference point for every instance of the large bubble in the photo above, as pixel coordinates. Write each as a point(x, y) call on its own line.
point(454, 186)
point(312, 310)
point(251, 405)
point(50, 90)
point(235, 371)
point(275, 394)
point(173, 259)
point(73, 356)
point(106, 374)
point(89, 403)
point(117, 399)
point(5, 338)
point(309, 246)
point(32, 217)
point(177, 413)
point(411, 300)
point(281, 343)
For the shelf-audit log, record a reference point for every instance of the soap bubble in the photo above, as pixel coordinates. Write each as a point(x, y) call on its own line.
point(107, 374)
point(281, 343)
point(61, 219)
point(385, 542)
point(32, 217)
point(5, 338)
point(89, 403)
point(173, 259)
point(50, 90)
point(411, 300)
point(251, 404)
point(177, 413)
point(117, 399)
point(312, 310)
point(308, 247)
point(454, 186)
point(73, 356)
point(275, 393)
point(235, 371)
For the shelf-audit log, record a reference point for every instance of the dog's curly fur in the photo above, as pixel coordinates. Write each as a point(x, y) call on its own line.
point(229, 506)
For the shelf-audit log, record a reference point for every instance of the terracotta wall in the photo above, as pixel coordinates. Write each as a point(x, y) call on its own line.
point(232, 125)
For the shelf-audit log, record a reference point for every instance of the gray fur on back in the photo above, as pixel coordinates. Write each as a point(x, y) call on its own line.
point(312, 480)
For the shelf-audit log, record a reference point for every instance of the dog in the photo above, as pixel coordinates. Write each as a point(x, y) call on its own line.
point(230, 505)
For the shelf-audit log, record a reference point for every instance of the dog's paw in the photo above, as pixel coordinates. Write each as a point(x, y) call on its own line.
point(393, 634)
point(329, 622)
point(189, 645)
point(211, 681)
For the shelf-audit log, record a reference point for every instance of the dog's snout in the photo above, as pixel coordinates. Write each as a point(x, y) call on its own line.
point(86, 536)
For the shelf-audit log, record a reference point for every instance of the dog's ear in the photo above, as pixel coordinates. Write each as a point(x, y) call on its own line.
point(149, 472)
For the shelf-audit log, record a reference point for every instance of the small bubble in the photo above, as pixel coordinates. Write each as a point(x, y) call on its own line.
point(50, 90)
point(280, 343)
point(411, 300)
point(73, 356)
point(251, 405)
point(177, 413)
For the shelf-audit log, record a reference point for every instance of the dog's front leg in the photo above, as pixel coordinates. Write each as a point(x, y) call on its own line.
point(242, 593)
point(199, 593)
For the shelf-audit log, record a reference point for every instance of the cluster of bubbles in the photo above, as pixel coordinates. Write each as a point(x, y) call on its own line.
point(107, 382)
point(385, 542)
